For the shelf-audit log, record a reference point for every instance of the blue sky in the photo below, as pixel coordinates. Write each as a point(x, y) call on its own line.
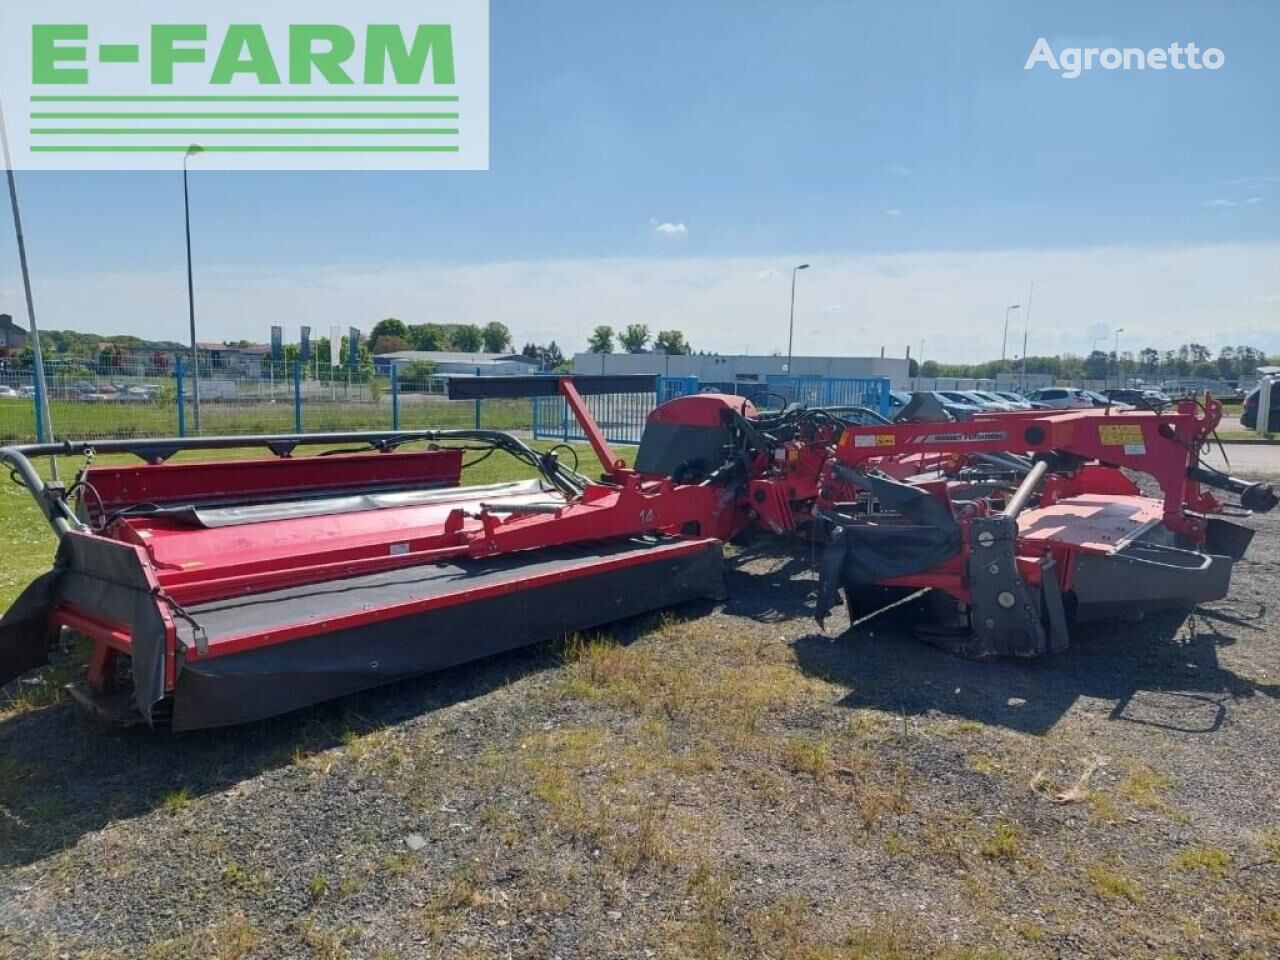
point(900, 147)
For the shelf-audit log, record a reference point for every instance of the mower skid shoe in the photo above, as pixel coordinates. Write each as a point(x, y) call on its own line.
point(1005, 612)
point(375, 629)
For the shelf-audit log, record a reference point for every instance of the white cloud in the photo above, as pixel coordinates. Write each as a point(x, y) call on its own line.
point(831, 308)
point(1162, 296)
point(1252, 200)
point(1251, 181)
point(893, 212)
point(669, 229)
point(1220, 202)
point(898, 169)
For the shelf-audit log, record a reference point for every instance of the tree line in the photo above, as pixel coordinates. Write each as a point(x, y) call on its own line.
point(634, 338)
point(1189, 360)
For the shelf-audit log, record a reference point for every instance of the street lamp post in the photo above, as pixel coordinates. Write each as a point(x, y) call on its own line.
point(791, 326)
point(1119, 330)
point(191, 290)
point(1004, 344)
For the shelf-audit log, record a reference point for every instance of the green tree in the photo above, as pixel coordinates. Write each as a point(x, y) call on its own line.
point(671, 342)
point(428, 336)
point(468, 338)
point(930, 369)
point(390, 327)
point(388, 343)
point(414, 376)
point(496, 336)
point(635, 338)
point(1097, 365)
point(601, 340)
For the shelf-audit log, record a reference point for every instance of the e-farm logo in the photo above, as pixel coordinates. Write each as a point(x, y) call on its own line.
point(142, 84)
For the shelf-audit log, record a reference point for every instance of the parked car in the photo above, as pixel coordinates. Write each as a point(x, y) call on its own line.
point(27, 390)
point(1019, 401)
point(1102, 400)
point(898, 400)
point(993, 397)
point(1143, 399)
point(8, 393)
point(1249, 413)
point(966, 399)
point(960, 409)
point(1059, 398)
point(987, 403)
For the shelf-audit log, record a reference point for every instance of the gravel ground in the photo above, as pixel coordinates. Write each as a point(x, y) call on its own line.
point(719, 782)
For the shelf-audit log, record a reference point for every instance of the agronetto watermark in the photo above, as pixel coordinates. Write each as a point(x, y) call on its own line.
point(1070, 62)
point(317, 85)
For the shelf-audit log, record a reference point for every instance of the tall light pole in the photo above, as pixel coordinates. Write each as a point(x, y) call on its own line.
point(1026, 330)
point(1119, 330)
point(1004, 344)
point(37, 354)
point(791, 327)
point(191, 289)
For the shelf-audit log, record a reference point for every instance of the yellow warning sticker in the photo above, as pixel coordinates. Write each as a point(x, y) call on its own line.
point(885, 439)
point(1120, 435)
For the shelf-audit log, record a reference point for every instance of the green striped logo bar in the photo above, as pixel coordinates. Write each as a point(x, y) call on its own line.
point(327, 85)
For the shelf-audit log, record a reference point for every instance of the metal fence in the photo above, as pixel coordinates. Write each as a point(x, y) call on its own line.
point(621, 416)
point(298, 398)
point(871, 392)
point(86, 404)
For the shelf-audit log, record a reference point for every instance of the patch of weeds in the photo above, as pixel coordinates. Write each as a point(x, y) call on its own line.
point(1111, 884)
point(804, 755)
point(176, 801)
point(232, 939)
point(317, 887)
point(782, 929)
point(644, 844)
point(983, 763)
point(445, 911)
point(1004, 843)
point(236, 877)
point(708, 934)
point(866, 725)
point(1214, 861)
point(1102, 809)
point(400, 864)
point(329, 944)
point(1271, 845)
point(1146, 787)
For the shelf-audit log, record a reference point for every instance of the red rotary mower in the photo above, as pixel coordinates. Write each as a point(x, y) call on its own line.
point(219, 591)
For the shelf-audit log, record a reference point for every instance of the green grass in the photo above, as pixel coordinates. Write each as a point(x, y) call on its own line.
point(1247, 435)
point(116, 420)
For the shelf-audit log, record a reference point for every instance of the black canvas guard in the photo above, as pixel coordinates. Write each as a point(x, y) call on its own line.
point(247, 686)
point(105, 578)
point(24, 630)
point(868, 552)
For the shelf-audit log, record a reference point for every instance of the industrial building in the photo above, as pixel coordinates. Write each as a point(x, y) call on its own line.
point(742, 368)
point(469, 364)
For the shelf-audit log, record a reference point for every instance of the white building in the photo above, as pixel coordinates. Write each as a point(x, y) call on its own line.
point(743, 369)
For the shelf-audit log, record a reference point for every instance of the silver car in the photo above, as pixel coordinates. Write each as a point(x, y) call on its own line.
point(1060, 398)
